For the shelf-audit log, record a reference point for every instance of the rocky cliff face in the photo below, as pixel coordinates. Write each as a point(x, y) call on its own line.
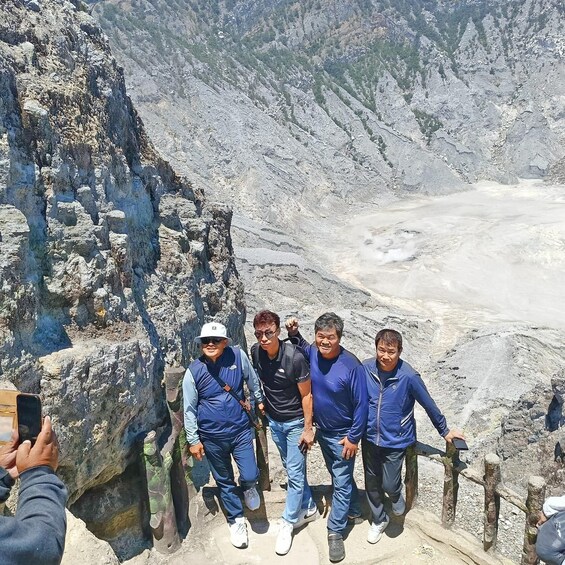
point(109, 261)
point(302, 105)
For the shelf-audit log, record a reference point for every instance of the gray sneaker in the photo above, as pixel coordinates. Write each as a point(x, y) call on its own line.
point(399, 507)
point(336, 547)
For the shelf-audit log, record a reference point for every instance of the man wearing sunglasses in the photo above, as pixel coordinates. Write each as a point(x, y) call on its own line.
point(218, 426)
point(285, 375)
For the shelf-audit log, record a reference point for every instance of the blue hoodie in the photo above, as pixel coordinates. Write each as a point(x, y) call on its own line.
point(339, 392)
point(392, 396)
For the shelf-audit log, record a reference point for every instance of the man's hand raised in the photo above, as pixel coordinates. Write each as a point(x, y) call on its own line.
point(44, 452)
point(291, 325)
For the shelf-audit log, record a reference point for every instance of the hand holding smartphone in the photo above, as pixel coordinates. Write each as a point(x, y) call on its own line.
point(459, 444)
point(29, 417)
point(21, 411)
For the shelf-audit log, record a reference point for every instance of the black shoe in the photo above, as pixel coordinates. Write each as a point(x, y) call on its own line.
point(336, 547)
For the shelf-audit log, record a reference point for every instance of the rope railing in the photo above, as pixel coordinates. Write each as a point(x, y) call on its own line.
point(494, 491)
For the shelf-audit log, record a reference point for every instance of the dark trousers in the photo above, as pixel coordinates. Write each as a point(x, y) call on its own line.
point(550, 545)
point(219, 453)
point(383, 474)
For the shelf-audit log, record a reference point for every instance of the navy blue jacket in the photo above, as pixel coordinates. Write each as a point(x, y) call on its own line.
point(392, 396)
point(219, 414)
point(210, 411)
point(36, 534)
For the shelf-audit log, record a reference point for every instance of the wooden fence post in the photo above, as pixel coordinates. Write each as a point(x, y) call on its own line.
point(534, 503)
point(262, 453)
point(177, 443)
point(411, 477)
point(450, 485)
point(492, 501)
point(162, 521)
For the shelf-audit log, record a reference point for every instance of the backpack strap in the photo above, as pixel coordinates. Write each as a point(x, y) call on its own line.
point(288, 354)
point(245, 404)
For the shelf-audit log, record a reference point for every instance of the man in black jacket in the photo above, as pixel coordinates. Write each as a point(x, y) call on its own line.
point(36, 534)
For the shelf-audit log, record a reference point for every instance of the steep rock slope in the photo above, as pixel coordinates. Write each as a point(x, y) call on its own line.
point(283, 107)
point(109, 261)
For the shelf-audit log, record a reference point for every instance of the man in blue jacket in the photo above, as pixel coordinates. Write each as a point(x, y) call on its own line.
point(339, 391)
point(36, 534)
point(217, 425)
point(393, 387)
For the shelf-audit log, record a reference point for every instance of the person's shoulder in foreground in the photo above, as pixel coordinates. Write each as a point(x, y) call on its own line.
point(36, 534)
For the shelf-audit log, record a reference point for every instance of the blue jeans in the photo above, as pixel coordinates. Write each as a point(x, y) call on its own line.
point(219, 453)
point(345, 498)
point(299, 496)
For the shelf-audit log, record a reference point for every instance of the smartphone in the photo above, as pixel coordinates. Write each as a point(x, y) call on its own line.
point(460, 444)
point(29, 416)
point(303, 448)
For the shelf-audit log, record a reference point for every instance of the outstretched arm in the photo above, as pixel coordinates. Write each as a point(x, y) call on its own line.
point(421, 394)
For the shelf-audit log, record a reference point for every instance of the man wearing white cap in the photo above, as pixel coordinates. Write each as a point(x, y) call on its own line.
point(217, 424)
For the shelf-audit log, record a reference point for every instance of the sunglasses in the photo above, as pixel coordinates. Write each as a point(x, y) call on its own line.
point(207, 340)
point(268, 334)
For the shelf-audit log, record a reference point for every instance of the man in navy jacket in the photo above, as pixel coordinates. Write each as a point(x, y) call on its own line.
point(36, 534)
point(339, 391)
point(393, 387)
point(217, 425)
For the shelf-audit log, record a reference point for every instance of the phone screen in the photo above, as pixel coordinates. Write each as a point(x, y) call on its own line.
point(29, 417)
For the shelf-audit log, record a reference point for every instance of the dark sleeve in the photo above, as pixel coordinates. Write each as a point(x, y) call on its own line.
point(36, 534)
point(360, 403)
point(6, 484)
point(302, 343)
point(421, 394)
point(300, 366)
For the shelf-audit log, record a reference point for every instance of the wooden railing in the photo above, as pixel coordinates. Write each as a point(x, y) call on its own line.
point(169, 481)
point(494, 490)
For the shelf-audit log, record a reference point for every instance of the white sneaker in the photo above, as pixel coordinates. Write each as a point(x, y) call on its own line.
point(238, 533)
point(399, 507)
point(376, 531)
point(308, 515)
point(251, 497)
point(284, 539)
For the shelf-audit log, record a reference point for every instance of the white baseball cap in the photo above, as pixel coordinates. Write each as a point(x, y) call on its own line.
point(213, 329)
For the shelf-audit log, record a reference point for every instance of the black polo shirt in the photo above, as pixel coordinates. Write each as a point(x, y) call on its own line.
point(280, 377)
